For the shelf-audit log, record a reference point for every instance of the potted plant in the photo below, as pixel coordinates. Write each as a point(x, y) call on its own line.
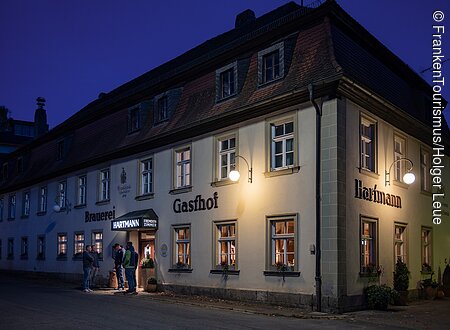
point(401, 282)
point(151, 284)
point(379, 296)
point(147, 263)
point(225, 269)
point(147, 270)
point(446, 280)
point(429, 288)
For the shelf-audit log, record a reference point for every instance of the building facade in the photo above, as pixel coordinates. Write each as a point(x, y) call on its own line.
point(150, 162)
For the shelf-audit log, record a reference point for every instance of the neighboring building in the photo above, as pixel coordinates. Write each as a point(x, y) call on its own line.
point(16, 133)
point(149, 162)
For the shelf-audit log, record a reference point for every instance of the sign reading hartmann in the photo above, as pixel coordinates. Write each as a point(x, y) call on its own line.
point(376, 196)
point(134, 224)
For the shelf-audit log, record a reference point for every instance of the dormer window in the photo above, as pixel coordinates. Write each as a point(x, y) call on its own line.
point(226, 81)
point(271, 64)
point(162, 109)
point(134, 119)
point(60, 150)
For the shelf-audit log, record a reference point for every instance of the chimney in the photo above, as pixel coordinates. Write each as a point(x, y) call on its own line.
point(244, 18)
point(40, 118)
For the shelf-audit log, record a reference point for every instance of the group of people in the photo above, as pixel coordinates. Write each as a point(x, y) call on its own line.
point(128, 259)
point(90, 267)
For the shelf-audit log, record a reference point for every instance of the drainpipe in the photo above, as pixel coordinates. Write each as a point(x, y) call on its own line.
point(318, 169)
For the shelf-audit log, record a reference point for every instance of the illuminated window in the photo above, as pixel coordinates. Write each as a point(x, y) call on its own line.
point(97, 242)
point(226, 252)
point(146, 176)
point(42, 199)
point(62, 245)
point(283, 243)
point(368, 144)
point(78, 244)
point(282, 145)
point(400, 243)
point(182, 246)
point(425, 180)
point(399, 153)
point(41, 247)
point(104, 188)
point(26, 204)
point(369, 263)
point(226, 156)
point(24, 248)
point(427, 260)
point(183, 167)
point(82, 189)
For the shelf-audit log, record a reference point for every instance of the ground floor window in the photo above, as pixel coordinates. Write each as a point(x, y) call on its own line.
point(226, 251)
point(427, 261)
point(62, 245)
point(97, 243)
point(41, 247)
point(400, 247)
point(182, 248)
point(10, 250)
point(282, 244)
point(24, 248)
point(369, 242)
point(0, 249)
point(78, 244)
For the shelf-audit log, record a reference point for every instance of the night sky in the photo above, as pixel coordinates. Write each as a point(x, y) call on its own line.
point(70, 51)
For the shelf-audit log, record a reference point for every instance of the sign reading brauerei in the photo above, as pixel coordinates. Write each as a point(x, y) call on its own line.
point(100, 216)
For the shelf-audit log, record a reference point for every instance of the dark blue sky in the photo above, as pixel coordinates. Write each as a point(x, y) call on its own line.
point(70, 51)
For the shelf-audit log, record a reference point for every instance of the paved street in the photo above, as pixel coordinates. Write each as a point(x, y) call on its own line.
point(35, 304)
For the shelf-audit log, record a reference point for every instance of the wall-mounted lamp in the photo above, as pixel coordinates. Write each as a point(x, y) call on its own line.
point(409, 176)
point(235, 175)
point(58, 207)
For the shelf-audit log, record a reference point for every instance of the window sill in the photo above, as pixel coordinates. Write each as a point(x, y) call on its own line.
point(226, 98)
point(222, 272)
point(369, 173)
point(24, 216)
point(41, 213)
point(286, 171)
point(61, 258)
point(268, 83)
point(222, 183)
point(80, 206)
point(183, 190)
point(426, 272)
point(40, 258)
point(77, 258)
point(145, 197)
point(11, 219)
point(104, 202)
point(400, 184)
point(180, 270)
point(368, 275)
point(160, 122)
point(281, 274)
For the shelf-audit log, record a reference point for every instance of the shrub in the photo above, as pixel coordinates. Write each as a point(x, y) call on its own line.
point(379, 296)
point(401, 276)
point(148, 263)
point(151, 280)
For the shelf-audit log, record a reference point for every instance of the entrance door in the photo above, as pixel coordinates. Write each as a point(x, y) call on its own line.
point(146, 251)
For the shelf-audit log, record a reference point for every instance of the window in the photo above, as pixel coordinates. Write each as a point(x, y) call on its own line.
point(26, 204)
point(1, 249)
point(369, 246)
point(182, 246)
point(10, 250)
point(78, 244)
point(12, 207)
point(62, 194)
point(24, 248)
point(425, 181)
point(427, 260)
point(41, 247)
point(282, 243)
point(226, 157)
point(62, 245)
point(104, 185)
point(400, 243)
point(162, 109)
point(134, 119)
point(42, 199)
point(368, 144)
point(226, 253)
point(226, 81)
point(282, 145)
point(97, 242)
point(60, 150)
point(146, 169)
point(271, 63)
point(2, 206)
point(399, 153)
point(183, 167)
point(82, 188)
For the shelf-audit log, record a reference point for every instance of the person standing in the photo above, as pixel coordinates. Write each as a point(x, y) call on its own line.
point(88, 261)
point(95, 265)
point(130, 268)
point(118, 260)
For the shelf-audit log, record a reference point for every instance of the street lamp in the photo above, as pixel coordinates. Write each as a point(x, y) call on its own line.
point(409, 176)
point(235, 175)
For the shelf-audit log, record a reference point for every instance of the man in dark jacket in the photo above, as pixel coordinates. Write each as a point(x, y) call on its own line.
point(129, 263)
point(95, 265)
point(88, 261)
point(118, 260)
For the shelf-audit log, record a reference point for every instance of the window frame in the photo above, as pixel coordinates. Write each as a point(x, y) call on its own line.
point(98, 242)
point(104, 185)
point(162, 103)
point(59, 244)
point(82, 190)
point(10, 248)
point(2, 208)
point(262, 55)
point(134, 119)
point(43, 200)
point(24, 247)
point(180, 167)
point(60, 150)
point(425, 176)
point(79, 241)
point(232, 67)
point(26, 204)
point(187, 251)
point(373, 140)
point(271, 237)
point(12, 204)
point(217, 263)
point(403, 241)
point(219, 152)
point(373, 261)
point(428, 258)
point(399, 167)
point(40, 255)
point(149, 172)
point(61, 194)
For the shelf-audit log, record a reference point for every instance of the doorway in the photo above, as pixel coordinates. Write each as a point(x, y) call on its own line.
point(146, 251)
